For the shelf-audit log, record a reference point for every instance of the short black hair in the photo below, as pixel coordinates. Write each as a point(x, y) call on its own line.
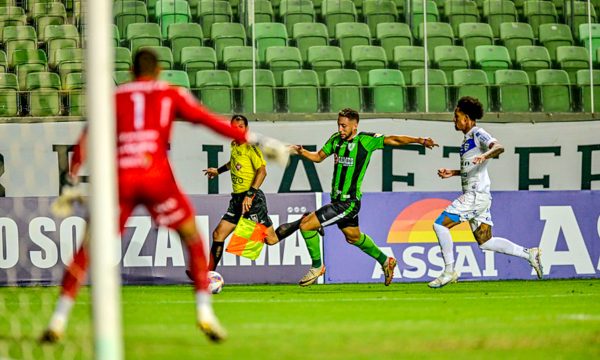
point(145, 62)
point(471, 107)
point(238, 117)
point(349, 113)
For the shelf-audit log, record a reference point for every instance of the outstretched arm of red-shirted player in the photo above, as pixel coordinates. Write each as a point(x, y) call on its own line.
point(79, 155)
point(188, 108)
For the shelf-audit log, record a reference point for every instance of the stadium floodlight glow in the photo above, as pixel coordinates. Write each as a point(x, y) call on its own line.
point(105, 274)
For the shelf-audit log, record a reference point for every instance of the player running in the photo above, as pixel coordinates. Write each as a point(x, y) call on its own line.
point(474, 204)
point(248, 171)
point(145, 111)
point(352, 152)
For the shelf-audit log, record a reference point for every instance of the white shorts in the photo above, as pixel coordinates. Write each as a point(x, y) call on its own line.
point(473, 207)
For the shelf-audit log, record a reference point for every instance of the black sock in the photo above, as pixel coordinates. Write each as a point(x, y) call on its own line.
point(216, 252)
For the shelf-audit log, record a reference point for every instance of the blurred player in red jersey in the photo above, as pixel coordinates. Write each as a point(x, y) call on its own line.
point(145, 111)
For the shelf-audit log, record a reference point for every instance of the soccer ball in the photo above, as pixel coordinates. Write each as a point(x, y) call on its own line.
point(216, 282)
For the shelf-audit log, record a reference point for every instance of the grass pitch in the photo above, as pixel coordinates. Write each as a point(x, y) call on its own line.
point(497, 320)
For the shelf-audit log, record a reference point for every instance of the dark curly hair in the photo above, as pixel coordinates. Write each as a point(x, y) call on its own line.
point(349, 113)
point(471, 107)
point(238, 117)
point(145, 62)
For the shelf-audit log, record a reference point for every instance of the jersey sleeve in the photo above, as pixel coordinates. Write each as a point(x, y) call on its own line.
point(328, 147)
point(188, 108)
point(483, 138)
point(372, 141)
point(256, 157)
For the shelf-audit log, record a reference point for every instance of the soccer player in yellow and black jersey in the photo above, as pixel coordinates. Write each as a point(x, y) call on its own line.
point(248, 171)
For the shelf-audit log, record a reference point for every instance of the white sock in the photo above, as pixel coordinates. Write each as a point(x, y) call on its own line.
point(59, 318)
point(203, 305)
point(445, 240)
point(505, 246)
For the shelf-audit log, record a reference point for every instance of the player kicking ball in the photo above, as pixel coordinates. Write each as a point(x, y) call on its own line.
point(474, 204)
point(352, 151)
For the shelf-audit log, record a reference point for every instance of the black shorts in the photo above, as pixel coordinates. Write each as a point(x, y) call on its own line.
point(258, 211)
point(342, 213)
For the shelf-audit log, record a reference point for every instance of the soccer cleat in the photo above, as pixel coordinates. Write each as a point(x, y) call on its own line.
point(535, 259)
point(272, 149)
point(50, 336)
point(444, 279)
point(210, 326)
point(312, 275)
point(388, 269)
point(64, 205)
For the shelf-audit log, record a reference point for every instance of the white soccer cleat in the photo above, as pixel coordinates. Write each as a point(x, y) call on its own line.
point(312, 275)
point(535, 259)
point(63, 206)
point(444, 279)
point(210, 326)
point(273, 149)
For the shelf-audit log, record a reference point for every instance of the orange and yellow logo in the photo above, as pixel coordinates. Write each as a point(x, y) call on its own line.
point(414, 224)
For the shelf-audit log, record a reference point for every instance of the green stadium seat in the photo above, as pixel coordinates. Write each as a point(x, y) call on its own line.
point(388, 90)
point(8, 2)
point(377, 12)
point(12, 20)
point(490, 58)
point(438, 34)
point(265, 94)
point(53, 13)
point(583, 82)
point(197, 58)
point(172, 12)
point(337, 11)
point(576, 14)
point(60, 37)
point(183, 35)
point(344, 89)
point(449, 58)
point(163, 54)
point(460, 11)
point(267, 35)
point(21, 37)
point(472, 82)
point(513, 91)
point(351, 34)
point(237, 58)
point(555, 95)
point(418, 14)
point(227, 34)
point(572, 59)
point(9, 100)
point(281, 58)
point(514, 35)
point(115, 35)
point(11, 10)
point(309, 34)
point(122, 58)
point(28, 61)
point(584, 36)
point(74, 84)
point(175, 77)
point(151, 7)
point(68, 55)
point(474, 35)
point(438, 100)
point(30, 4)
point(143, 34)
point(391, 35)
point(263, 11)
point(554, 35)
point(122, 76)
point(409, 58)
point(302, 91)
point(210, 12)
point(400, 9)
point(129, 12)
point(215, 90)
point(498, 12)
point(538, 13)
point(293, 12)
point(44, 98)
point(324, 58)
point(3, 62)
point(365, 58)
point(533, 58)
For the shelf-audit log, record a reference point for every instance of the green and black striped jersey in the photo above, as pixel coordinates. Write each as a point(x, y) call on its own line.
point(351, 162)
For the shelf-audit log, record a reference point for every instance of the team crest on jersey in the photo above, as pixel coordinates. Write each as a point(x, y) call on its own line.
point(351, 146)
point(238, 166)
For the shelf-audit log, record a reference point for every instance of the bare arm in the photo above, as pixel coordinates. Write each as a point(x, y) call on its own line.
point(495, 150)
point(447, 173)
point(399, 140)
point(314, 156)
point(214, 172)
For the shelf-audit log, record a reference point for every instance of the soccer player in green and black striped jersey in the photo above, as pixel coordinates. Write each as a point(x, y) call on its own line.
point(352, 151)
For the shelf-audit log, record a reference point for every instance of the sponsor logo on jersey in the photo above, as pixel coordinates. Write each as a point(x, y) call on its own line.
point(346, 161)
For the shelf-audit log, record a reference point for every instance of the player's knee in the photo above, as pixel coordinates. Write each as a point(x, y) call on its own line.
point(352, 239)
point(482, 236)
point(271, 240)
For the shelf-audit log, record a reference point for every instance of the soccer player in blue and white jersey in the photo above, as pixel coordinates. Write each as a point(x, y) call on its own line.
point(474, 204)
